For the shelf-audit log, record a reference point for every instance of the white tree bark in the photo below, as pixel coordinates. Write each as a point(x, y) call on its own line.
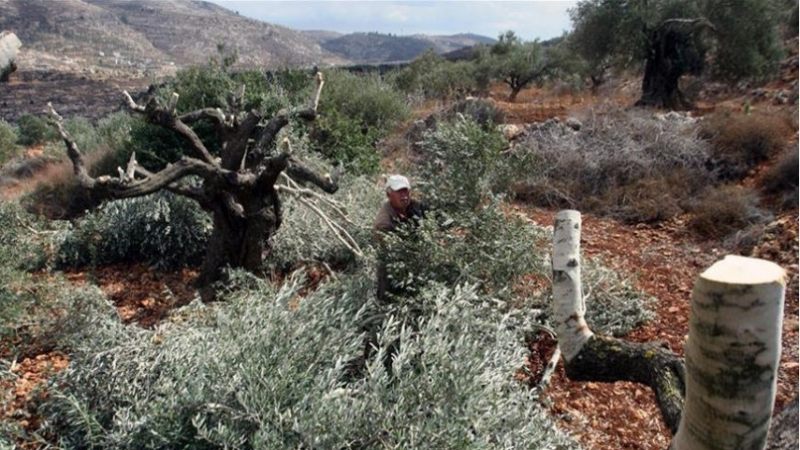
point(732, 355)
point(569, 307)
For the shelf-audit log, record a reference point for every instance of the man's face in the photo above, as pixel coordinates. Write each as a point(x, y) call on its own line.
point(399, 199)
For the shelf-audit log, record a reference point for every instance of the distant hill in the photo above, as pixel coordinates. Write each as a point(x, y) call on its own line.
point(447, 44)
point(148, 35)
point(376, 48)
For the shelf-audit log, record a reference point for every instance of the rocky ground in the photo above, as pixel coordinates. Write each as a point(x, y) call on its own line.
point(663, 260)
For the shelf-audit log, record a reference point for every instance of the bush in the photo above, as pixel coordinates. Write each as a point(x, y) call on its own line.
point(267, 370)
point(432, 77)
point(740, 142)
point(32, 308)
point(781, 180)
point(621, 164)
point(720, 211)
point(32, 130)
point(304, 237)
point(356, 112)
point(482, 111)
point(463, 165)
point(163, 230)
point(8, 142)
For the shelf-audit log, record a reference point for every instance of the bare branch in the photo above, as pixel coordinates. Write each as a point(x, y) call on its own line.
point(302, 173)
point(132, 104)
point(341, 234)
point(74, 153)
point(293, 188)
point(215, 115)
point(166, 118)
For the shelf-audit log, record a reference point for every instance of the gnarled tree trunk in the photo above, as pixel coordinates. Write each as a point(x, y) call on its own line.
point(238, 188)
point(663, 69)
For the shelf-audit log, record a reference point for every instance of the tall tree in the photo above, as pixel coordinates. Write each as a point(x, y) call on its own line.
point(672, 38)
point(237, 184)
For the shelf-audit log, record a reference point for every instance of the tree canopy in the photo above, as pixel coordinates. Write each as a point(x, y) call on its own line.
point(733, 39)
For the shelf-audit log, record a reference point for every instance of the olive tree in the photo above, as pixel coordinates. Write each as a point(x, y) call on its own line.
point(673, 38)
point(517, 63)
point(237, 184)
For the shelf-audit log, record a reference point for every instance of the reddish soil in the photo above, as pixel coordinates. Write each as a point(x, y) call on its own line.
point(664, 261)
point(141, 295)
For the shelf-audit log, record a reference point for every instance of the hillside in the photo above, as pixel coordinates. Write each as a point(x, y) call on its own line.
point(140, 36)
point(377, 48)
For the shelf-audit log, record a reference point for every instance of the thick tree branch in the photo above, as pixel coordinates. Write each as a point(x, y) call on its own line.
point(299, 172)
point(702, 21)
point(588, 357)
point(166, 118)
point(74, 153)
point(214, 115)
point(269, 132)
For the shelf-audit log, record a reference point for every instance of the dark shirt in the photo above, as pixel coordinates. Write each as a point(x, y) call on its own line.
point(388, 220)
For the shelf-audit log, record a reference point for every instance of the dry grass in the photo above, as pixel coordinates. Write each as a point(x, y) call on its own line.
point(55, 191)
point(781, 180)
point(740, 142)
point(723, 210)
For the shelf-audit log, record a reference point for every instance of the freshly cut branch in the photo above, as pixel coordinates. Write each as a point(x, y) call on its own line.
point(588, 357)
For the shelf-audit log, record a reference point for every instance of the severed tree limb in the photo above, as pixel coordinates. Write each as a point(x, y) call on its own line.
point(214, 115)
point(293, 188)
point(74, 153)
point(341, 234)
point(588, 357)
point(299, 172)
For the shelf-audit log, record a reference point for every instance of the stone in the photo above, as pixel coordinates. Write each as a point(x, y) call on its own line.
point(9, 46)
point(573, 123)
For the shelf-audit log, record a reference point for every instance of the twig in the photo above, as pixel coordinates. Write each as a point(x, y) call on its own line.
point(549, 369)
point(336, 228)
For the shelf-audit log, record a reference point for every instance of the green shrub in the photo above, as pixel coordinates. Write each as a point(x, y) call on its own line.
point(114, 130)
point(33, 130)
point(355, 112)
point(463, 165)
point(483, 111)
point(8, 142)
point(162, 229)
point(432, 77)
point(32, 308)
point(267, 370)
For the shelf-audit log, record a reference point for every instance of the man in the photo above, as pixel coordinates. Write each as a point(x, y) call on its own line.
point(397, 211)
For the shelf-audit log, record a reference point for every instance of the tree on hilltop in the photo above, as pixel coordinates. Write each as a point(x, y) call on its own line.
point(733, 39)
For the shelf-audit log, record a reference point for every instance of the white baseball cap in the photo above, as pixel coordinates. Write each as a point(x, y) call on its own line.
point(397, 182)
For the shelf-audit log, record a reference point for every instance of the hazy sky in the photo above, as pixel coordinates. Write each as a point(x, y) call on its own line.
point(529, 19)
